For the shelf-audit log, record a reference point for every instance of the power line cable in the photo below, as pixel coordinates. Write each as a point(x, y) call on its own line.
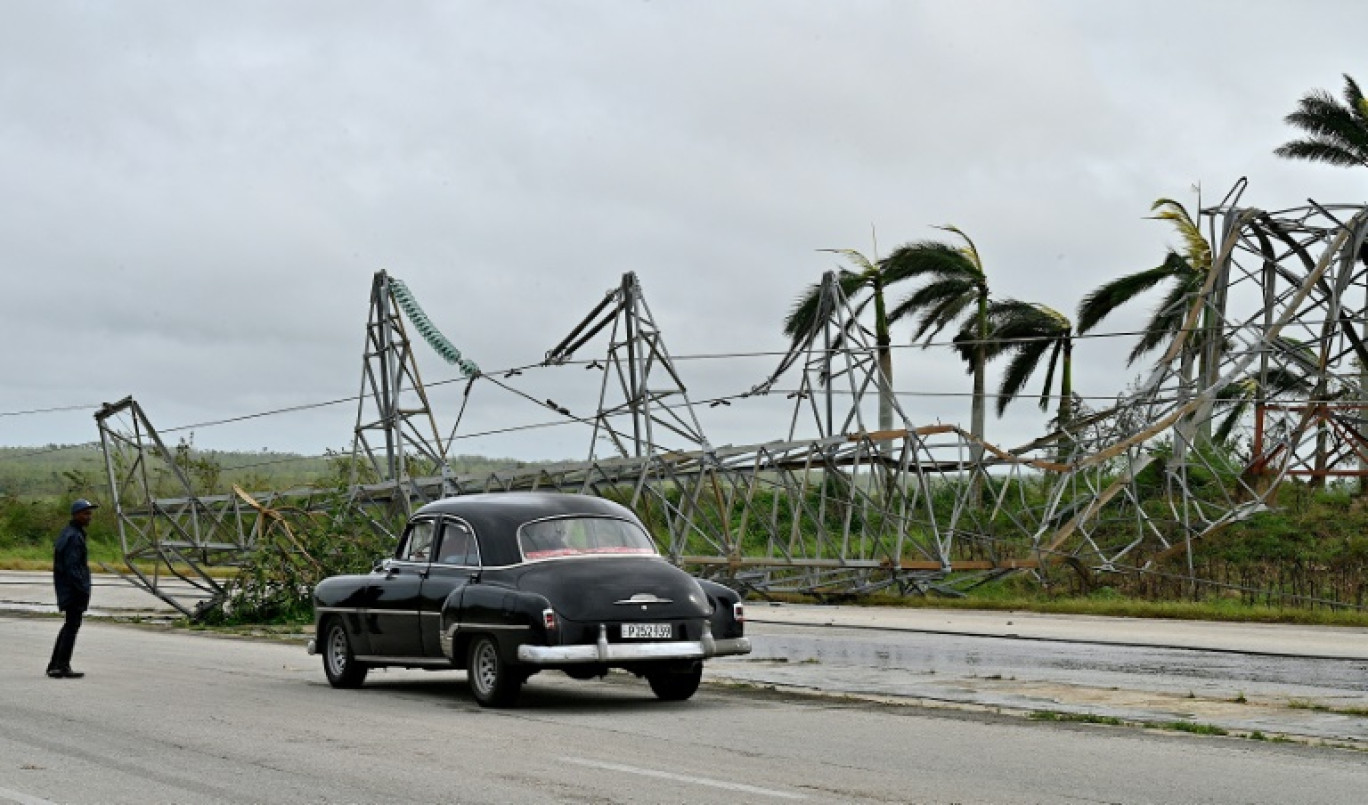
point(58, 409)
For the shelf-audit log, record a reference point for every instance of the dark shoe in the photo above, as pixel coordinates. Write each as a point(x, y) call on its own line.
point(64, 673)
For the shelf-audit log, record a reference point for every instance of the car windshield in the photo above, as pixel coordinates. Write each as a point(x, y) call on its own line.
point(580, 536)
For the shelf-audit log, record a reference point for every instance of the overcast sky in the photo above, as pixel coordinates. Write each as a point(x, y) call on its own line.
point(194, 197)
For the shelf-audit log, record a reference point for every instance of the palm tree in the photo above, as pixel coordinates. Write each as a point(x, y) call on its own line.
point(1027, 331)
point(1186, 272)
point(955, 284)
point(809, 313)
point(1336, 133)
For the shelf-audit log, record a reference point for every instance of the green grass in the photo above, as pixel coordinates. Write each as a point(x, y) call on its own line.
point(1078, 718)
point(1192, 727)
point(39, 557)
point(1304, 704)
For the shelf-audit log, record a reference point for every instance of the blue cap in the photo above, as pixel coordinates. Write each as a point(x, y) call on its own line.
point(82, 504)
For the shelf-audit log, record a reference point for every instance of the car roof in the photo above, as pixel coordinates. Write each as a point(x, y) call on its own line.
point(496, 516)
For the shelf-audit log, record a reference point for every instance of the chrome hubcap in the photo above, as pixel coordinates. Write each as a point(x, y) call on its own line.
point(337, 650)
point(485, 667)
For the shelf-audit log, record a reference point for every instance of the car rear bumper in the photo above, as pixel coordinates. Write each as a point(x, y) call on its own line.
point(601, 651)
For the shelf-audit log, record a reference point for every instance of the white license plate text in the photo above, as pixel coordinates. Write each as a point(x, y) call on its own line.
point(646, 631)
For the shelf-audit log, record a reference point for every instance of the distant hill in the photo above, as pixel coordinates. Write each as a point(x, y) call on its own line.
point(54, 471)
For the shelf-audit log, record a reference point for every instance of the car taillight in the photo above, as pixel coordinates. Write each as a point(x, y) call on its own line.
point(549, 618)
point(739, 612)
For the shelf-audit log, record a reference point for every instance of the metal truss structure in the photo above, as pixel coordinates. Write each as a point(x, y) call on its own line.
point(1265, 381)
point(175, 539)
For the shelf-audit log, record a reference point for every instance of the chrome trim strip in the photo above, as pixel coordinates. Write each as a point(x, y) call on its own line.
point(604, 652)
point(467, 626)
point(651, 557)
point(385, 660)
point(377, 611)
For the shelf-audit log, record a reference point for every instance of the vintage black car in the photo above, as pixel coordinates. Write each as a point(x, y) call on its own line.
point(508, 584)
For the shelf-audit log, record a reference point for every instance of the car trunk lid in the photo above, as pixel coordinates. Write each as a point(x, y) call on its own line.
point(608, 589)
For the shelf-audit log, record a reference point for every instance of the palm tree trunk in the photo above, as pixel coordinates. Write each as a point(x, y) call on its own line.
point(884, 343)
point(1066, 386)
point(885, 389)
point(1065, 402)
point(977, 417)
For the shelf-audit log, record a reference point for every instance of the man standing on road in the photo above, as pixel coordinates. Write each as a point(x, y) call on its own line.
point(71, 576)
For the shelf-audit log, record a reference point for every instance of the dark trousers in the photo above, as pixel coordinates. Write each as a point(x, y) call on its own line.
point(66, 638)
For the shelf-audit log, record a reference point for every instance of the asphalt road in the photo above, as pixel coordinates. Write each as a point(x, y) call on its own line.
point(177, 716)
point(1302, 683)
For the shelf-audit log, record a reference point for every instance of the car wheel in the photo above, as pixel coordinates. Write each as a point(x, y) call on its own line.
point(339, 662)
point(492, 682)
point(675, 685)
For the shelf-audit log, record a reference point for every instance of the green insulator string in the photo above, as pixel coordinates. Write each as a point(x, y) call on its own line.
point(439, 343)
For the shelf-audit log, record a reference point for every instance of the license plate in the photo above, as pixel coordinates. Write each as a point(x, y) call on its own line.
point(647, 631)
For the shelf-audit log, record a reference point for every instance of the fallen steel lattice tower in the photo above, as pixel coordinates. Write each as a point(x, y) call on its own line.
point(172, 537)
point(1269, 360)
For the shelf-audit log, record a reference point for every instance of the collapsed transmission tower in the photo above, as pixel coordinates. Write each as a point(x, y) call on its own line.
point(1264, 381)
point(173, 533)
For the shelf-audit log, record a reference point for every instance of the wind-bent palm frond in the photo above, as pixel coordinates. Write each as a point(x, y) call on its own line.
point(1196, 248)
point(954, 280)
point(940, 302)
point(1028, 332)
point(1337, 134)
point(1102, 301)
point(1167, 318)
point(1186, 271)
point(812, 310)
point(955, 283)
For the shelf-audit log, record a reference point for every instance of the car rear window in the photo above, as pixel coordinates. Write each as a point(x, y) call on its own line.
point(582, 536)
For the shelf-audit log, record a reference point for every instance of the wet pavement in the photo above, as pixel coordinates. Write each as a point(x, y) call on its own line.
point(1302, 682)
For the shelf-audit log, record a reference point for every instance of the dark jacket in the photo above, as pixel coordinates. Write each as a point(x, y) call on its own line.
point(70, 570)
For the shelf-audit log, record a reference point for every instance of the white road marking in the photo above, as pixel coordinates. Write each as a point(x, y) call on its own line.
point(23, 799)
point(683, 778)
